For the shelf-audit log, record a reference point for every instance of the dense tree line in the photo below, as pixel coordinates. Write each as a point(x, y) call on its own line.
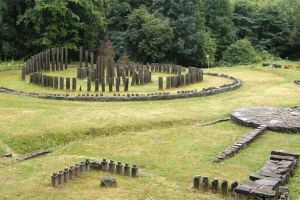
point(187, 32)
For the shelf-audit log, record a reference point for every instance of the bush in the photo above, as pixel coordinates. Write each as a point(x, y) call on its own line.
point(267, 57)
point(242, 52)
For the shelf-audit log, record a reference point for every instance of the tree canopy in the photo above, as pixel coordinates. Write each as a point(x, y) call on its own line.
point(178, 31)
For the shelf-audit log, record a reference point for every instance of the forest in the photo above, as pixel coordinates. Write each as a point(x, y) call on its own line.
point(186, 32)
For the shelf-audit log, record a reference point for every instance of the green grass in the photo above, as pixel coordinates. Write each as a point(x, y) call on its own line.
point(164, 137)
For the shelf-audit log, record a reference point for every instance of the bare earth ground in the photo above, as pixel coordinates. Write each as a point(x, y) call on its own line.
point(164, 138)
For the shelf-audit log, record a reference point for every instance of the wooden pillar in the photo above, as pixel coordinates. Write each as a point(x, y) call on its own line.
point(61, 83)
point(74, 84)
point(68, 83)
point(89, 85)
point(61, 66)
point(86, 58)
point(96, 85)
point(80, 57)
point(110, 84)
point(66, 58)
point(160, 83)
point(55, 82)
point(126, 85)
point(118, 84)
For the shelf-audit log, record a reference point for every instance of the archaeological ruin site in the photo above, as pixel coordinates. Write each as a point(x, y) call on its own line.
point(150, 100)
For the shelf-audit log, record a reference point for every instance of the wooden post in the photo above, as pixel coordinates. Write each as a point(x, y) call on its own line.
point(74, 84)
point(89, 85)
point(68, 83)
point(110, 84)
point(103, 85)
point(55, 82)
point(160, 83)
point(57, 59)
point(96, 85)
point(80, 57)
point(117, 84)
point(61, 66)
point(52, 59)
point(66, 58)
point(61, 83)
point(86, 58)
point(126, 85)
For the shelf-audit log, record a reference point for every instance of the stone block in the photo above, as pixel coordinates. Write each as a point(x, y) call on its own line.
point(224, 187)
point(54, 180)
point(197, 182)
point(104, 165)
point(119, 168)
point(215, 185)
point(111, 167)
point(134, 171)
point(108, 182)
point(127, 169)
point(205, 183)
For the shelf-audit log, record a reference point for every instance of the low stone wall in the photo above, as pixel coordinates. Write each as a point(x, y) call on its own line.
point(138, 97)
point(268, 181)
point(216, 186)
point(241, 144)
point(33, 155)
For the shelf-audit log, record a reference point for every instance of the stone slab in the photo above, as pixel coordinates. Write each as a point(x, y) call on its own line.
point(276, 119)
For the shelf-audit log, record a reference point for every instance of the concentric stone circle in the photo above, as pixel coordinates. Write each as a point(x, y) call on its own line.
point(276, 119)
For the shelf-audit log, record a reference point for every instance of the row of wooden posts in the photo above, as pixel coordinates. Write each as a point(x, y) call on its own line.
point(141, 77)
point(181, 80)
point(55, 59)
point(53, 82)
point(60, 83)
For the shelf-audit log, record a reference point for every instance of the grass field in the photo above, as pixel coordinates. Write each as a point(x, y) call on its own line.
point(164, 138)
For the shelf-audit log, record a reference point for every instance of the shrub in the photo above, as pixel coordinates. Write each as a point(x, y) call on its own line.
point(242, 52)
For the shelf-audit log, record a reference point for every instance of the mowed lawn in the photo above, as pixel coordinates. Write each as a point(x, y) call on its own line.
point(165, 138)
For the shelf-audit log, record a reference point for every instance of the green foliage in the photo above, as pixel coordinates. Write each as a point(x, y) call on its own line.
point(64, 23)
point(291, 11)
point(241, 52)
point(266, 27)
point(118, 12)
point(200, 27)
point(28, 26)
point(219, 23)
point(150, 37)
point(187, 21)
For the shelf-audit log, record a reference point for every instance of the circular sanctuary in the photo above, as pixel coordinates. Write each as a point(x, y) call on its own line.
point(100, 78)
point(275, 119)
